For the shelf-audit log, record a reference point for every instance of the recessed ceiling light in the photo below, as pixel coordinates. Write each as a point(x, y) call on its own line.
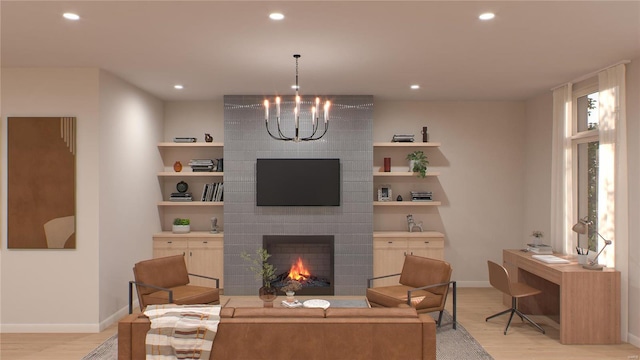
point(487, 16)
point(71, 16)
point(179, 87)
point(276, 16)
point(415, 87)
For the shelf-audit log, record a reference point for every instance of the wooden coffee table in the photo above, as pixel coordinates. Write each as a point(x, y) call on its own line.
point(254, 301)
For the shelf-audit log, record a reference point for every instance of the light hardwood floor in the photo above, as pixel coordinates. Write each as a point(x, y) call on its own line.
point(474, 305)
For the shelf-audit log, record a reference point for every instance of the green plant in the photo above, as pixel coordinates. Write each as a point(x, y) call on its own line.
point(260, 266)
point(179, 221)
point(420, 162)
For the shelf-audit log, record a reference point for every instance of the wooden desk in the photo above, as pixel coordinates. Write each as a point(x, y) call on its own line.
point(586, 303)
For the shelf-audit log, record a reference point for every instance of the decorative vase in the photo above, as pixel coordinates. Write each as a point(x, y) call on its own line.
point(267, 294)
point(387, 164)
point(411, 163)
point(177, 166)
point(290, 296)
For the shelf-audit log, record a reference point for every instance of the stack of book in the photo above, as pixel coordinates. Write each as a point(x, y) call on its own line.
point(178, 196)
point(201, 165)
point(541, 249)
point(213, 192)
point(421, 196)
point(184, 139)
point(402, 138)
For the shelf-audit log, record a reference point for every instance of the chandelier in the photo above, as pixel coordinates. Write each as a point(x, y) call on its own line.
point(315, 116)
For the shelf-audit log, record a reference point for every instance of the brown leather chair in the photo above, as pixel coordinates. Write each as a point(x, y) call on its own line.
point(499, 279)
point(424, 285)
point(166, 281)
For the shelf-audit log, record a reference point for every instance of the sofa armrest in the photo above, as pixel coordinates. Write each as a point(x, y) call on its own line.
point(370, 281)
point(145, 285)
point(428, 337)
point(208, 277)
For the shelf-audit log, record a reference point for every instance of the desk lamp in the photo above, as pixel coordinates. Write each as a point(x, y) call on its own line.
point(582, 227)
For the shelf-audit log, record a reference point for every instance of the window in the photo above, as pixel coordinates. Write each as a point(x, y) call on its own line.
point(585, 143)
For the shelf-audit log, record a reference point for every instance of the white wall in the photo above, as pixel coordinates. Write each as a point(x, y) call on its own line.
point(54, 290)
point(482, 174)
point(131, 125)
point(193, 119)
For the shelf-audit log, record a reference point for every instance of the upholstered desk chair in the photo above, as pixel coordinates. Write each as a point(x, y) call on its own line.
point(499, 279)
point(423, 284)
point(166, 281)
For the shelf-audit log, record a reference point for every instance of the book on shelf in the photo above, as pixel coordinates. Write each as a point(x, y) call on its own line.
point(184, 139)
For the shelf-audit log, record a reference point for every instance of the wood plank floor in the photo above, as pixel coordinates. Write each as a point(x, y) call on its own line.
point(474, 305)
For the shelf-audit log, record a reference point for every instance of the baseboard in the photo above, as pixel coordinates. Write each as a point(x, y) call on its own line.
point(633, 340)
point(66, 328)
point(473, 284)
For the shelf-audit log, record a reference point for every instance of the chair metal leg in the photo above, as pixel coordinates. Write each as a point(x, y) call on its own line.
point(498, 314)
point(509, 322)
point(514, 310)
point(440, 318)
point(529, 320)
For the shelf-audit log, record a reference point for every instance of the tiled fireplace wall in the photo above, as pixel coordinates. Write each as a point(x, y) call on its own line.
point(349, 138)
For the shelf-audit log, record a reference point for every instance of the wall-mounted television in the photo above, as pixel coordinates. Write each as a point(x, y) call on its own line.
point(298, 182)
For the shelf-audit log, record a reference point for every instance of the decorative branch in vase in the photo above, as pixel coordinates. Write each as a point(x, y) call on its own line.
point(263, 271)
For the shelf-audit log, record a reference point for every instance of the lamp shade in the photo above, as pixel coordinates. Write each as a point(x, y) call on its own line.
point(581, 227)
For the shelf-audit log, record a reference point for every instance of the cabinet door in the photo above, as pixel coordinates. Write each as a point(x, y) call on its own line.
point(427, 247)
point(168, 246)
point(388, 258)
point(206, 258)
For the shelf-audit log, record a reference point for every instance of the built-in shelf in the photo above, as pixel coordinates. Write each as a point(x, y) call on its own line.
point(190, 203)
point(193, 234)
point(406, 144)
point(403, 173)
point(406, 203)
point(194, 144)
point(191, 174)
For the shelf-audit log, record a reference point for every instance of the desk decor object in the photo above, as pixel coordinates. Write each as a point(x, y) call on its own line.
point(384, 193)
point(582, 227)
point(316, 303)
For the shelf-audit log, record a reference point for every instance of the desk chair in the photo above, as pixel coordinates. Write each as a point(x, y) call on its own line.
point(499, 279)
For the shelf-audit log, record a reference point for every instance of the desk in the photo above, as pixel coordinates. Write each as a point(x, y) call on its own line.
point(586, 303)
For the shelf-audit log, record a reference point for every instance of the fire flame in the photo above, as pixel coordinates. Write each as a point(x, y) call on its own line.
point(298, 271)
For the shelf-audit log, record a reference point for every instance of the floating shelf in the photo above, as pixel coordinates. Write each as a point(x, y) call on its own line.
point(191, 174)
point(403, 173)
point(190, 203)
point(406, 144)
point(194, 144)
point(407, 203)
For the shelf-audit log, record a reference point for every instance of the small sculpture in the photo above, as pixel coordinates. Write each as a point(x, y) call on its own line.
point(214, 225)
point(411, 224)
point(399, 198)
point(208, 138)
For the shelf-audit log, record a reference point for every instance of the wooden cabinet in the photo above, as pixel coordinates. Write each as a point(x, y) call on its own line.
point(204, 253)
point(390, 247)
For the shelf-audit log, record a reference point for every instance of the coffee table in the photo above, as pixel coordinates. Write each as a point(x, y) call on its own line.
point(335, 301)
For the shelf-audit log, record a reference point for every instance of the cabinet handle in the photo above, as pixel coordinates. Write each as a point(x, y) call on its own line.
point(184, 253)
point(169, 242)
point(426, 242)
point(190, 253)
point(405, 253)
point(205, 242)
point(389, 242)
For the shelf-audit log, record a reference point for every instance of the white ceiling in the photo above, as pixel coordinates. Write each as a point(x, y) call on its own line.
point(378, 48)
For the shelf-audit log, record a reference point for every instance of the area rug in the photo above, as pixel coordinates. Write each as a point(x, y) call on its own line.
point(450, 344)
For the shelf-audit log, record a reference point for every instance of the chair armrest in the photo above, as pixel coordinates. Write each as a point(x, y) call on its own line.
point(131, 282)
point(370, 281)
point(453, 282)
point(208, 277)
point(427, 287)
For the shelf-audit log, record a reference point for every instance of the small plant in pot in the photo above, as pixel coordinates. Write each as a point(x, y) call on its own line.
point(418, 163)
point(181, 226)
point(290, 289)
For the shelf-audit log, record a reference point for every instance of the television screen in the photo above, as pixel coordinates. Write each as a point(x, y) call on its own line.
point(298, 182)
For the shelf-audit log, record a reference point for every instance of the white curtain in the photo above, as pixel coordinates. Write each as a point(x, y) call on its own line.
point(561, 170)
point(612, 173)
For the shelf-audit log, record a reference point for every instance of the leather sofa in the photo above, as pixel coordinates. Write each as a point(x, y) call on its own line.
point(312, 334)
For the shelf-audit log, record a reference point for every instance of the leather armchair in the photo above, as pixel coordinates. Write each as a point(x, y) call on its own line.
point(424, 285)
point(166, 280)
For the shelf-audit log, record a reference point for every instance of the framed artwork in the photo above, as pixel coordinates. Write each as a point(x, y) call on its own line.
point(384, 193)
point(41, 184)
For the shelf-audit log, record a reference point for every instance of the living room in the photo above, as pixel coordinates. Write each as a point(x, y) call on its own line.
point(494, 184)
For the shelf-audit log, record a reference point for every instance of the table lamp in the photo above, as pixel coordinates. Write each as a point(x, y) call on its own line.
point(582, 227)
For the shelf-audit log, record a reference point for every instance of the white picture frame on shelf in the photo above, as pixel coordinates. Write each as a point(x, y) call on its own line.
point(384, 193)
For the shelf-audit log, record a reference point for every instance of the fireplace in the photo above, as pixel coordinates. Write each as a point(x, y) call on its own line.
point(306, 258)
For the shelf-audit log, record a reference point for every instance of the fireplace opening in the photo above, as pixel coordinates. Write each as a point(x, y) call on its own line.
point(305, 258)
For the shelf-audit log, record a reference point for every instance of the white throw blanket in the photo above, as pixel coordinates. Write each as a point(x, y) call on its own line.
point(181, 331)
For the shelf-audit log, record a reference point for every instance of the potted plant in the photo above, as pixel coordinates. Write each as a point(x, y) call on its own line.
point(418, 163)
point(290, 289)
point(181, 226)
point(265, 272)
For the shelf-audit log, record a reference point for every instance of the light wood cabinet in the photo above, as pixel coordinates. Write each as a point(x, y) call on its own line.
point(204, 253)
point(390, 247)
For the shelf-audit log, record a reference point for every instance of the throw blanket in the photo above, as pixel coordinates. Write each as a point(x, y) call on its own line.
point(181, 331)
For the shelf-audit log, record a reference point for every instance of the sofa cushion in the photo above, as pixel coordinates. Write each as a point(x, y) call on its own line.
point(278, 313)
point(371, 313)
point(184, 295)
point(396, 295)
